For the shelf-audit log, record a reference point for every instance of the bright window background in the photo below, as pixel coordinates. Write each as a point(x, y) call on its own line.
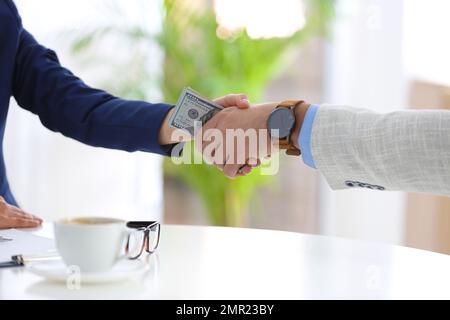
point(377, 50)
point(364, 68)
point(427, 49)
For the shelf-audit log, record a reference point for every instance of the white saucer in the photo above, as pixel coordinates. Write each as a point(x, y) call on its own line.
point(58, 271)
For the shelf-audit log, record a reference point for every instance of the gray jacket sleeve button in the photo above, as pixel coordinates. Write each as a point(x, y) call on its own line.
point(350, 184)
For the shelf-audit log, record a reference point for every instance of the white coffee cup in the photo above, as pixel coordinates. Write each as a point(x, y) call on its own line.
point(92, 244)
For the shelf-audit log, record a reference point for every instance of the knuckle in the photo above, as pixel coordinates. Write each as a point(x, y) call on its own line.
point(15, 220)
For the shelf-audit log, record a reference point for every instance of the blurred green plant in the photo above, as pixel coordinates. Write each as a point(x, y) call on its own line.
point(195, 56)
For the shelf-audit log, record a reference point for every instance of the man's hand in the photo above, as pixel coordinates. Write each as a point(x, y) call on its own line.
point(237, 159)
point(228, 101)
point(230, 126)
point(234, 100)
point(13, 217)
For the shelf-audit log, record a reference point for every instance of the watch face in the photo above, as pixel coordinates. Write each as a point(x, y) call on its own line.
point(280, 123)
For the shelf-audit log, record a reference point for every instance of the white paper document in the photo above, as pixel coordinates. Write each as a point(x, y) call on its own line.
point(25, 243)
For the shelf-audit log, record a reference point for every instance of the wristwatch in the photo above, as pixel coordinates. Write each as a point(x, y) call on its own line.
point(281, 124)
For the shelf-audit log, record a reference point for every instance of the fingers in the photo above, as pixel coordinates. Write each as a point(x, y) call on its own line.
point(17, 221)
point(231, 171)
point(245, 170)
point(25, 220)
point(209, 143)
point(242, 171)
point(22, 214)
point(24, 223)
point(248, 168)
point(234, 100)
point(13, 217)
point(243, 103)
point(239, 141)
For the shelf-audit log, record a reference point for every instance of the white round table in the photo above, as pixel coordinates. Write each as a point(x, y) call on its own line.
point(228, 263)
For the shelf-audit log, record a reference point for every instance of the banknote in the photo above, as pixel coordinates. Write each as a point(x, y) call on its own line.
point(191, 110)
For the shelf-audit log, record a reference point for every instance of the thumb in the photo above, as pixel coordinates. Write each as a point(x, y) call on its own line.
point(234, 100)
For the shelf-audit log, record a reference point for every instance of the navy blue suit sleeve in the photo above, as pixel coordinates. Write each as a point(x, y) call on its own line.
point(67, 105)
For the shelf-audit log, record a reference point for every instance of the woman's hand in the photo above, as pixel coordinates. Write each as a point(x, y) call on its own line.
point(13, 217)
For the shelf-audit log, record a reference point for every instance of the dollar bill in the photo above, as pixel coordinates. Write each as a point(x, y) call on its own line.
point(191, 110)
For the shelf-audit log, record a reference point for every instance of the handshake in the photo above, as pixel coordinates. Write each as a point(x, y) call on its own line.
point(234, 135)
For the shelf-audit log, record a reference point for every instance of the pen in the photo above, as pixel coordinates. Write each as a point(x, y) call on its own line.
point(22, 260)
point(3, 239)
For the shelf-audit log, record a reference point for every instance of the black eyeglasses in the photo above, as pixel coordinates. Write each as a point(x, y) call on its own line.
point(144, 237)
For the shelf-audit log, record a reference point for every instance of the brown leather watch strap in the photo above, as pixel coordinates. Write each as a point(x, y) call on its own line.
point(290, 104)
point(285, 144)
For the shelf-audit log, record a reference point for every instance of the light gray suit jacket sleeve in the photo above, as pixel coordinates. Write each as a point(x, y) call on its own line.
point(404, 150)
